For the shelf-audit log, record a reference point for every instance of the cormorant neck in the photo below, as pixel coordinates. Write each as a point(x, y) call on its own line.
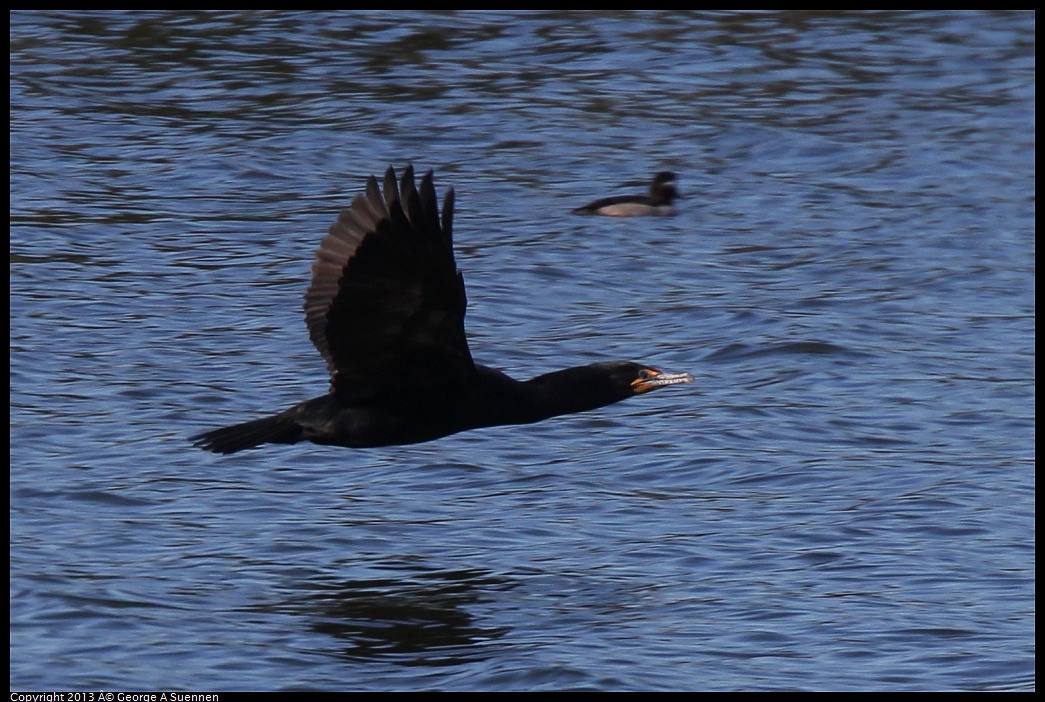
point(499, 399)
point(577, 389)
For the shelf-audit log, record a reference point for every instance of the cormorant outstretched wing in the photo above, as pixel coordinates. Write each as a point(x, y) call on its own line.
point(386, 305)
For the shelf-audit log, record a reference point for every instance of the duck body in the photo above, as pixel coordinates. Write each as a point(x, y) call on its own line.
point(658, 203)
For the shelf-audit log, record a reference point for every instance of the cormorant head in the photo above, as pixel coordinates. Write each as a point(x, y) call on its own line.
point(638, 378)
point(650, 379)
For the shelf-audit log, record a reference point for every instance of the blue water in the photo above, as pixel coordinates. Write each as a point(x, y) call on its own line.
point(843, 500)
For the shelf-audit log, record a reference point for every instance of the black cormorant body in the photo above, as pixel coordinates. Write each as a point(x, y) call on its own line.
point(386, 310)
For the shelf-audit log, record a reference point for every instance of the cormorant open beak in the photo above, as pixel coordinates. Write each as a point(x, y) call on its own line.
point(651, 379)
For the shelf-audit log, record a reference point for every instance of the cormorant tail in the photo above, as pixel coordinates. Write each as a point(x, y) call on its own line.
point(277, 429)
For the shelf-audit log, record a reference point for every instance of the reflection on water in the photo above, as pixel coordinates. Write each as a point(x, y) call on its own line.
point(419, 619)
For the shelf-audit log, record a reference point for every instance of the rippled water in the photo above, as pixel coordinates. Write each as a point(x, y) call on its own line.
point(843, 500)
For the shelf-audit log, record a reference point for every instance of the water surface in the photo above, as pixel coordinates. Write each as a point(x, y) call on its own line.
point(843, 500)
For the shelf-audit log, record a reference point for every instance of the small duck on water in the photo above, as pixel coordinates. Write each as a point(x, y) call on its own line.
point(658, 203)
